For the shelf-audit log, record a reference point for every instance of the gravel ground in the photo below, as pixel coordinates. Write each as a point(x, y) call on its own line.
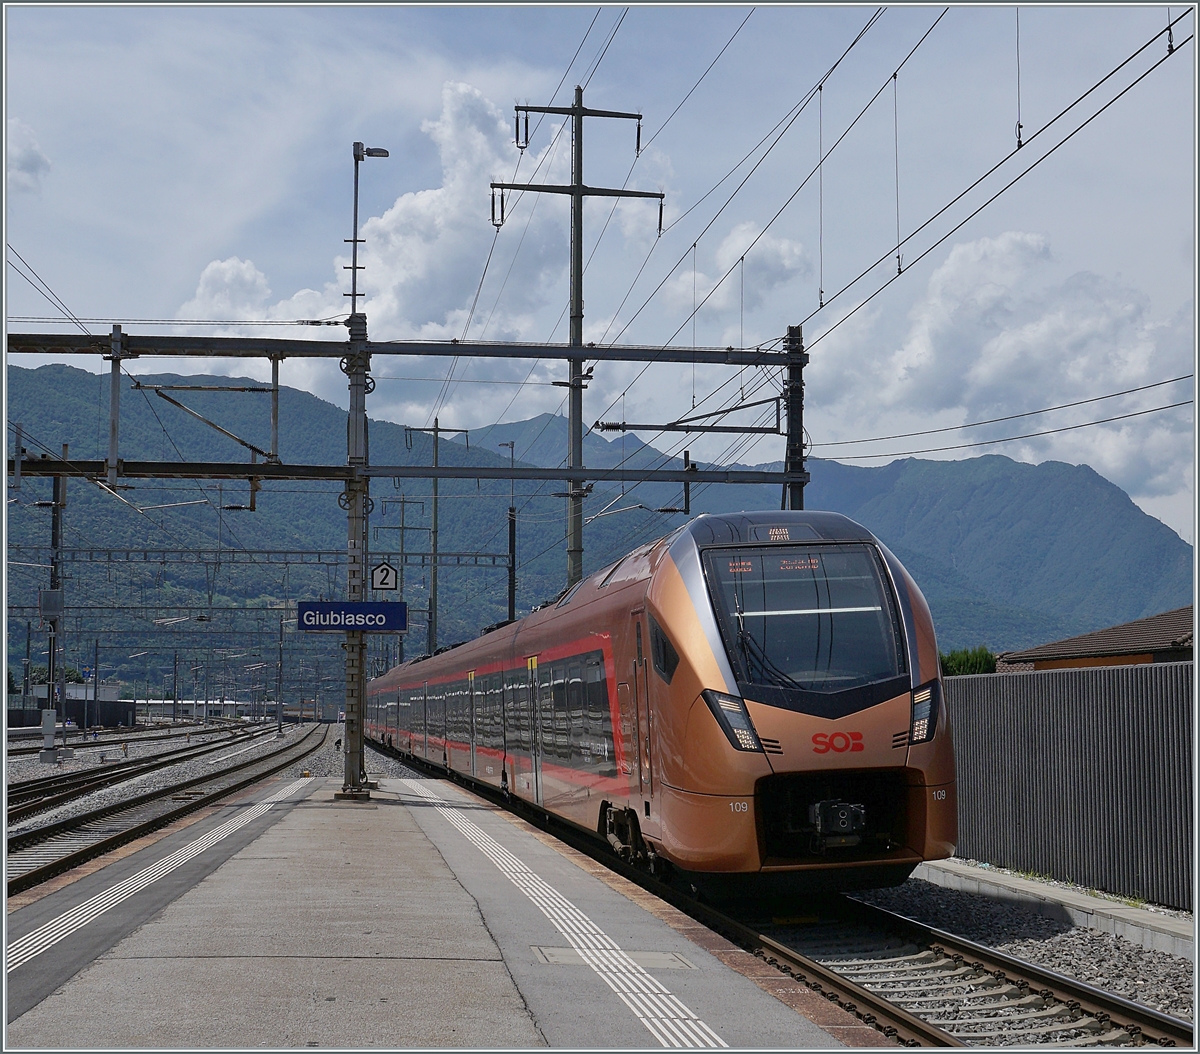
point(1104, 960)
point(1045, 880)
point(329, 761)
point(156, 780)
point(27, 766)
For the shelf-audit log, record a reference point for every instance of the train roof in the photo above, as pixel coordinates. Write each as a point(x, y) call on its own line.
point(751, 528)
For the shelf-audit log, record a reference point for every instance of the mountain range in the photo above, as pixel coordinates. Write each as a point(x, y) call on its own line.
point(1008, 554)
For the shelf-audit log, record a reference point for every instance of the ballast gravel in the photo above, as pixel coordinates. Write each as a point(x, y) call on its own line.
point(1103, 960)
point(87, 753)
point(235, 752)
point(329, 761)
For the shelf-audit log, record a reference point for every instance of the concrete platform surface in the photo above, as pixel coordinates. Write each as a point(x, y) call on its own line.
point(424, 918)
point(1150, 929)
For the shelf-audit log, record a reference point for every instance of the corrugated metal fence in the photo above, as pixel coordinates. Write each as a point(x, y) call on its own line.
point(1084, 775)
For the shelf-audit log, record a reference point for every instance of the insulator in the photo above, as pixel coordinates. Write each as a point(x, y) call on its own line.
point(660, 217)
point(638, 151)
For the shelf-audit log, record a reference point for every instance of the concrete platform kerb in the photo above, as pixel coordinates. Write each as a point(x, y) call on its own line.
point(1165, 933)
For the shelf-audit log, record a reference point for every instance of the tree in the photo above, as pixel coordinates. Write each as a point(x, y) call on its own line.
point(12, 684)
point(37, 674)
point(968, 660)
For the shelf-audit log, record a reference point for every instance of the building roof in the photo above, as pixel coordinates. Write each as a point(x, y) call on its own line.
point(1158, 633)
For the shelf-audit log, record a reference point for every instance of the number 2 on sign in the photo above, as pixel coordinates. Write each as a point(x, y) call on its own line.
point(384, 576)
point(739, 806)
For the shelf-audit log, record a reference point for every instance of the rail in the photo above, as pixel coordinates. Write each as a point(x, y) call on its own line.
point(37, 855)
point(29, 797)
point(1032, 1001)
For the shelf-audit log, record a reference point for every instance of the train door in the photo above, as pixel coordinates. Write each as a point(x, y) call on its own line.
point(471, 729)
point(627, 733)
point(425, 720)
point(535, 726)
point(644, 719)
point(506, 733)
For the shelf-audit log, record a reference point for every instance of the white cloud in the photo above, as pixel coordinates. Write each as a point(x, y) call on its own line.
point(771, 263)
point(421, 257)
point(994, 335)
point(27, 165)
point(229, 289)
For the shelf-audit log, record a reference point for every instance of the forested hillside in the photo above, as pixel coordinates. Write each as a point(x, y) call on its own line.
point(1008, 554)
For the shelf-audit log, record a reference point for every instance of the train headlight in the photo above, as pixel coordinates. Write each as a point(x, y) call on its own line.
point(924, 712)
point(732, 716)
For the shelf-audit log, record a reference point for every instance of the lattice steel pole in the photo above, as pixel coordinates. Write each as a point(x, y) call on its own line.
point(356, 501)
point(797, 359)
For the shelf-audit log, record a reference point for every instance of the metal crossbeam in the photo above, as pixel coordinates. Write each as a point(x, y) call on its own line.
point(187, 556)
point(134, 346)
point(209, 469)
point(323, 557)
point(241, 470)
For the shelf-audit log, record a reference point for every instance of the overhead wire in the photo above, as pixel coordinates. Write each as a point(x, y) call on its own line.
point(1011, 183)
point(43, 288)
point(793, 114)
point(1013, 439)
point(604, 51)
point(623, 185)
point(787, 122)
point(1009, 417)
point(517, 167)
point(549, 154)
point(791, 197)
point(1007, 157)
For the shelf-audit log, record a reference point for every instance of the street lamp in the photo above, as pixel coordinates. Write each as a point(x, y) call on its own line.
point(359, 153)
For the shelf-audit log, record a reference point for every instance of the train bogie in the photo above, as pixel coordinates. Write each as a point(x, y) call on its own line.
point(753, 695)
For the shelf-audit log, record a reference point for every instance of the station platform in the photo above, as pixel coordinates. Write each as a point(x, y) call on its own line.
point(426, 917)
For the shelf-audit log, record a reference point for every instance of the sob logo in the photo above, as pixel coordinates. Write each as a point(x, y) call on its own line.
point(838, 742)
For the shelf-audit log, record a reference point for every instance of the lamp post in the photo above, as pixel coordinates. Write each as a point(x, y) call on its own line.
point(360, 152)
point(356, 501)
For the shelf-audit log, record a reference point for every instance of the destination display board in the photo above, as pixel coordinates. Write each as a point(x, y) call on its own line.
point(340, 616)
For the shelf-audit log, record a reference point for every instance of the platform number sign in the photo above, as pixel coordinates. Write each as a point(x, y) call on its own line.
point(384, 576)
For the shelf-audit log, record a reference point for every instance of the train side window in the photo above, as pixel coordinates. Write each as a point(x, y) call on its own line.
point(574, 712)
point(666, 658)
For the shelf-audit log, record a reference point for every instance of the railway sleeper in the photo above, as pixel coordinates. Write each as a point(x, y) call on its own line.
point(1116, 1038)
point(1022, 1013)
point(898, 962)
point(935, 1003)
point(910, 994)
point(925, 956)
point(1002, 1004)
point(1087, 1024)
point(934, 970)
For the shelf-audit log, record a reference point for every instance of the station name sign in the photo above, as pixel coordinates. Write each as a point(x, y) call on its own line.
point(340, 616)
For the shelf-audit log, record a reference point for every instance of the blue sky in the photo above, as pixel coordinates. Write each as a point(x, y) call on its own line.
point(184, 163)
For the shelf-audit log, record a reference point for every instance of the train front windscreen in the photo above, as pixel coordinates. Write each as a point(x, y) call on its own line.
point(805, 620)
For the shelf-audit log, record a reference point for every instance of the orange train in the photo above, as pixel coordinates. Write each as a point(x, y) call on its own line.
point(755, 694)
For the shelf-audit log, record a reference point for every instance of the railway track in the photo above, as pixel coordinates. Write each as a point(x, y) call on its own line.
point(43, 852)
point(915, 984)
point(29, 797)
point(976, 995)
point(109, 740)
